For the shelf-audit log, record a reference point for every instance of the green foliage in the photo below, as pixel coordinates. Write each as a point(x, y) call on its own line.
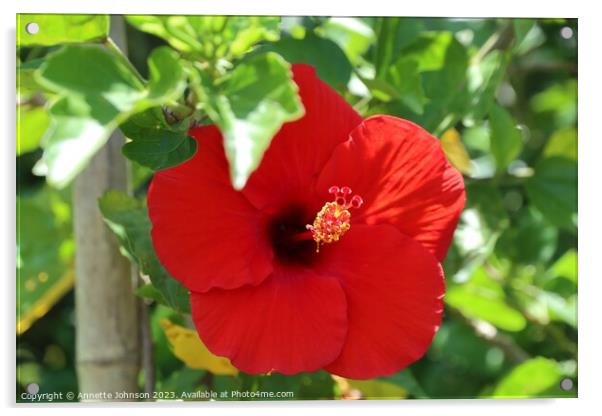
point(209, 36)
point(96, 95)
point(483, 298)
point(533, 378)
point(252, 104)
point(352, 35)
point(44, 254)
point(156, 144)
point(323, 54)
point(55, 29)
point(553, 190)
point(512, 266)
point(506, 140)
point(128, 219)
point(32, 122)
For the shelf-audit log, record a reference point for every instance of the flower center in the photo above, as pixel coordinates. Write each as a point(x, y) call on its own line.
point(334, 219)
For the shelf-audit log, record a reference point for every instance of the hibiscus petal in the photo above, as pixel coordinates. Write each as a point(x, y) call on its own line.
point(403, 177)
point(294, 321)
point(300, 149)
point(394, 289)
point(205, 233)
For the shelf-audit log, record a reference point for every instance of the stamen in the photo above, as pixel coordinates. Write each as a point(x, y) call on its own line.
point(334, 219)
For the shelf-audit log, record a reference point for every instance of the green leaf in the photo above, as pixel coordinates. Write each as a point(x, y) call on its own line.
point(209, 36)
point(128, 219)
point(506, 138)
point(530, 239)
point(91, 71)
point(405, 79)
point(484, 78)
point(98, 91)
point(156, 144)
point(479, 305)
point(562, 143)
point(255, 100)
point(44, 254)
point(57, 29)
point(407, 381)
point(429, 50)
point(533, 378)
point(560, 100)
point(553, 190)
point(166, 75)
point(483, 298)
point(325, 55)
point(521, 28)
point(32, 122)
point(392, 35)
point(478, 230)
point(352, 35)
point(160, 149)
point(528, 36)
point(148, 291)
point(443, 63)
point(566, 266)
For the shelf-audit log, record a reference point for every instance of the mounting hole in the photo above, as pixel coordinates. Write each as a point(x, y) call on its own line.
point(32, 388)
point(32, 28)
point(566, 384)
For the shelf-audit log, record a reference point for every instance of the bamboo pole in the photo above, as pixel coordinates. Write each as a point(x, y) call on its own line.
point(107, 325)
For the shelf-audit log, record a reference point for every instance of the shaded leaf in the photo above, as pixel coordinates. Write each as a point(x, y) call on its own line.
point(483, 81)
point(128, 219)
point(392, 35)
point(560, 100)
point(506, 139)
point(324, 55)
point(553, 190)
point(530, 239)
point(405, 79)
point(406, 380)
point(352, 35)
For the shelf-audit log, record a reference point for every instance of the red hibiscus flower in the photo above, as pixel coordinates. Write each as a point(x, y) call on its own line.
point(329, 257)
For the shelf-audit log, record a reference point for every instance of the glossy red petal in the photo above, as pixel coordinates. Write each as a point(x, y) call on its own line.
point(394, 289)
point(206, 234)
point(300, 149)
point(294, 321)
point(405, 180)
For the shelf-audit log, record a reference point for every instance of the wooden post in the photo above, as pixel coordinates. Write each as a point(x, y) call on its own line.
point(107, 325)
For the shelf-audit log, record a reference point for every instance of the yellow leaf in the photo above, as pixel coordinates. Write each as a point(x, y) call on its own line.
point(189, 348)
point(369, 389)
point(455, 152)
point(41, 306)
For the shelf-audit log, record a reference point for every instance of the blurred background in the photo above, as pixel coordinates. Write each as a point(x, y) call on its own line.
point(501, 94)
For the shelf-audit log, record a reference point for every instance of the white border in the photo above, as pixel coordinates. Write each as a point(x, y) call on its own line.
point(590, 212)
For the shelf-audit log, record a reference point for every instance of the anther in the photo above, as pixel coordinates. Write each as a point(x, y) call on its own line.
point(334, 219)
